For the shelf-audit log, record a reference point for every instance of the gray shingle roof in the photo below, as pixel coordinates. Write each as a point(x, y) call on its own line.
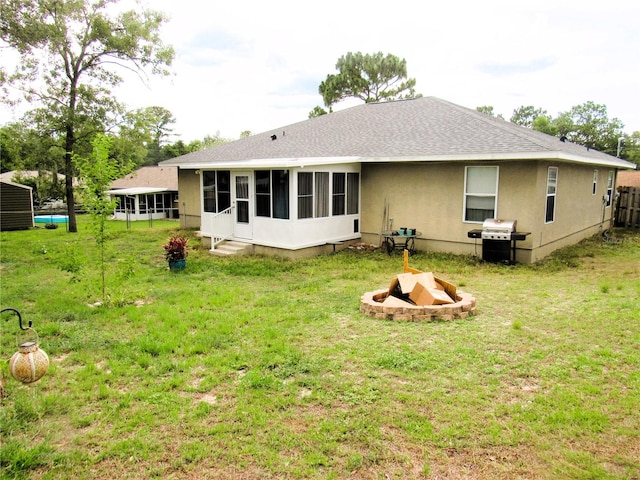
point(426, 128)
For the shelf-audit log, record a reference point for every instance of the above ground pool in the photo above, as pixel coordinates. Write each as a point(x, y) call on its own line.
point(51, 218)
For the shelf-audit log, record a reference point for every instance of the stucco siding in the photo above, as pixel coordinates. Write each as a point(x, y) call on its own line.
point(189, 203)
point(430, 198)
point(579, 212)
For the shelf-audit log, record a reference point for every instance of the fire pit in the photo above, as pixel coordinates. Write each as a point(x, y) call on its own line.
point(462, 308)
point(419, 297)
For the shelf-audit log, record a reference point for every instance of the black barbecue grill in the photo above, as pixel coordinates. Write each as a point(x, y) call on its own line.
point(498, 240)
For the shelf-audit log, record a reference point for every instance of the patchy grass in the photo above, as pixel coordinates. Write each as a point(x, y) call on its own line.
point(261, 367)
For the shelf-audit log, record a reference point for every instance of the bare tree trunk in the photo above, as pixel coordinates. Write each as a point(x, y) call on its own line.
point(68, 171)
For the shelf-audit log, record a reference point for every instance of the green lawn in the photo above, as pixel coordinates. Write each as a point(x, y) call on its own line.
point(261, 367)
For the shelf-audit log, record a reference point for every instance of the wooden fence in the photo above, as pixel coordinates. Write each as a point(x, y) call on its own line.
point(628, 207)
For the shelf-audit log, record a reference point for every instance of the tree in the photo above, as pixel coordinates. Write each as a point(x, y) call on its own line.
point(487, 109)
point(97, 173)
point(544, 124)
point(317, 111)
point(156, 121)
point(589, 125)
point(178, 149)
point(371, 78)
point(525, 116)
point(630, 147)
point(148, 128)
point(69, 52)
point(24, 148)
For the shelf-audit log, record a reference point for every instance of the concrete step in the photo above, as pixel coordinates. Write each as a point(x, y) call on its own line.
point(232, 247)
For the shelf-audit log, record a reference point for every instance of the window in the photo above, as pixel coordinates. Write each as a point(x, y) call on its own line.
point(272, 193)
point(353, 192)
point(280, 184)
point(121, 206)
point(159, 199)
point(151, 202)
point(594, 189)
point(223, 179)
point(481, 193)
point(125, 204)
point(552, 186)
point(339, 193)
point(609, 188)
point(216, 190)
point(242, 199)
point(305, 195)
point(313, 194)
point(263, 193)
point(322, 194)
point(209, 190)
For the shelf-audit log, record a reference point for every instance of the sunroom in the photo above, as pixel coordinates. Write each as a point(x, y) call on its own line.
point(281, 206)
point(144, 203)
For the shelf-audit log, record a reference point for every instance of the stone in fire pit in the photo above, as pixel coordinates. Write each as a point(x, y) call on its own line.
point(418, 296)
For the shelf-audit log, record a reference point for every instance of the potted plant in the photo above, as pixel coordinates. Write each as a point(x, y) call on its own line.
point(175, 251)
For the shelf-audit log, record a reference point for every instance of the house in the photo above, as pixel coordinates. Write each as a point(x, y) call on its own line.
point(422, 163)
point(147, 193)
point(628, 178)
point(38, 179)
point(16, 206)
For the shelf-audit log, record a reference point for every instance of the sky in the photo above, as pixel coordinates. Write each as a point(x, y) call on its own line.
point(256, 65)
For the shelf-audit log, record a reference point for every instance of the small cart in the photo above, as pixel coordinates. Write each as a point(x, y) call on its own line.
point(403, 239)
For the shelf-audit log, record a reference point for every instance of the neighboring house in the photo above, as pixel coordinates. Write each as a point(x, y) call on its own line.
point(422, 163)
point(14, 174)
point(16, 206)
point(147, 193)
point(629, 179)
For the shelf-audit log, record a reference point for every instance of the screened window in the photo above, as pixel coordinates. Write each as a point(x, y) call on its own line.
point(353, 192)
point(552, 187)
point(481, 193)
point(272, 193)
point(209, 190)
point(216, 190)
point(594, 189)
point(609, 188)
point(305, 195)
point(223, 179)
point(339, 194)
point(125, 204)
point(242, 199)
point(121, 205)
point(263, 193)
point(322, 194)
point(159, 199)
point(280, 183)
point(151, 203)
point(313, 194)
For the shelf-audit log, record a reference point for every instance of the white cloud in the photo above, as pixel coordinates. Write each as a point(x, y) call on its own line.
point(255, 65)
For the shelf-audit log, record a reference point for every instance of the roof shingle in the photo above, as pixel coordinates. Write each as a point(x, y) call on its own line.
point(151, 177)
point(425, 127)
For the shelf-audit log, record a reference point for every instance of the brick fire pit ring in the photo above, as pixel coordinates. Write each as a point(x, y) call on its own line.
point(371, 304)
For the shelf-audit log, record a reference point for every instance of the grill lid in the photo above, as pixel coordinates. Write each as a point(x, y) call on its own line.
point(499, 225)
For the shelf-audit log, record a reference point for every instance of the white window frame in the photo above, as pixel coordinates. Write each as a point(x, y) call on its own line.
point(480, 194)
point(551, 194)
point(610, 178)
point(594, 189)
